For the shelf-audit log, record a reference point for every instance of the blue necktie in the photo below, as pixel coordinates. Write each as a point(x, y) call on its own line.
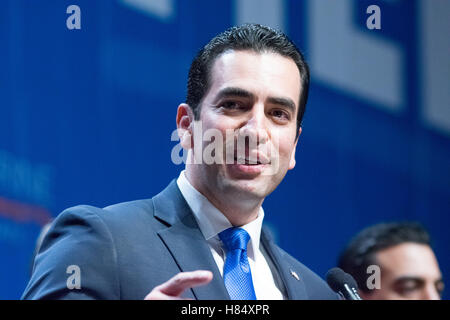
point(236, 271)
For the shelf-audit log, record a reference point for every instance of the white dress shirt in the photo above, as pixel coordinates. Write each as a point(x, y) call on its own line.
point(211, 222)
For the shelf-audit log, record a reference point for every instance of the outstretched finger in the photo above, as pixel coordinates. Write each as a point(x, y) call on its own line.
point(185, 280)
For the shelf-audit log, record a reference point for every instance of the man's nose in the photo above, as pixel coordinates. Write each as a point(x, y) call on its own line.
point(255, 127)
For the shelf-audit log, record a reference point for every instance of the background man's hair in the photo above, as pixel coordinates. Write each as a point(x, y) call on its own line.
point(252, 37)
point(361, 250)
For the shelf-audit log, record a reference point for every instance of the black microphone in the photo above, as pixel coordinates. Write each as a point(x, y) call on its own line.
point(343, 283)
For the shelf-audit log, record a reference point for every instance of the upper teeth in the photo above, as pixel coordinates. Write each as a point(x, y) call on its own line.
point(247, 160)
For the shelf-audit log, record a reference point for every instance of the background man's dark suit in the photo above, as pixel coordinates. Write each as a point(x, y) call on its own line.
point(126, 250)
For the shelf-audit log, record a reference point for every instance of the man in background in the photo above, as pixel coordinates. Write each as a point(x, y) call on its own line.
point(407, 264)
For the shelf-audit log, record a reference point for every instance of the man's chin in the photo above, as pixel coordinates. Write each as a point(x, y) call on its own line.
point(249, 188)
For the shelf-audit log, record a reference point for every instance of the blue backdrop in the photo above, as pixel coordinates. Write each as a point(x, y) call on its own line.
point(86, 115)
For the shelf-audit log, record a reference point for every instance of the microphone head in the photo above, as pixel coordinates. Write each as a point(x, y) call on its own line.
point(337, 278)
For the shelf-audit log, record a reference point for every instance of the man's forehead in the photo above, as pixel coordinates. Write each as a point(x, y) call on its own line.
point(231, 57)
point(249, 70)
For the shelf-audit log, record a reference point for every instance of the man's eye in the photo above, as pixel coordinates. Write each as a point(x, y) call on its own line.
point(231, 105)
point(280, 114)
point(407, 290)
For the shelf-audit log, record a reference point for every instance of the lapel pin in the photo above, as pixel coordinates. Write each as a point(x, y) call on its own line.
point(295, 275)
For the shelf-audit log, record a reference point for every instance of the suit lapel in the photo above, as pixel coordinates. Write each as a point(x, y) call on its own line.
point(186, 243)
point(291, 278)
point(188, 247)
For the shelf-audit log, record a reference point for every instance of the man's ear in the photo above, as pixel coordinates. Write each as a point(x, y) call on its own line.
point(292, 160)
point(185, 123)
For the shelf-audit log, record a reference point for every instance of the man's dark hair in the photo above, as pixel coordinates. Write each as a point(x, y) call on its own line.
point(252, 37)
point(361, 251)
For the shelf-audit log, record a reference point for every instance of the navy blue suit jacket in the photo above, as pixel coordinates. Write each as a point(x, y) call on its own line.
point(125, 250)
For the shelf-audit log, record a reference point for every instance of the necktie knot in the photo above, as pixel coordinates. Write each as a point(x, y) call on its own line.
point(234, 238)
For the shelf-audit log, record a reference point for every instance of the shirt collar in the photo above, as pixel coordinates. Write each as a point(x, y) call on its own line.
point(212, 221)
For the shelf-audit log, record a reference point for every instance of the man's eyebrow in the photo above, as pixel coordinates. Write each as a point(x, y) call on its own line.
point(239, 92)
point(409, 278)
point(286, 102)
point(234, 92)
point(440, 280)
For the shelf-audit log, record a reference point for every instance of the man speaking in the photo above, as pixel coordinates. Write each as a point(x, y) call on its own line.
point(202, 236)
